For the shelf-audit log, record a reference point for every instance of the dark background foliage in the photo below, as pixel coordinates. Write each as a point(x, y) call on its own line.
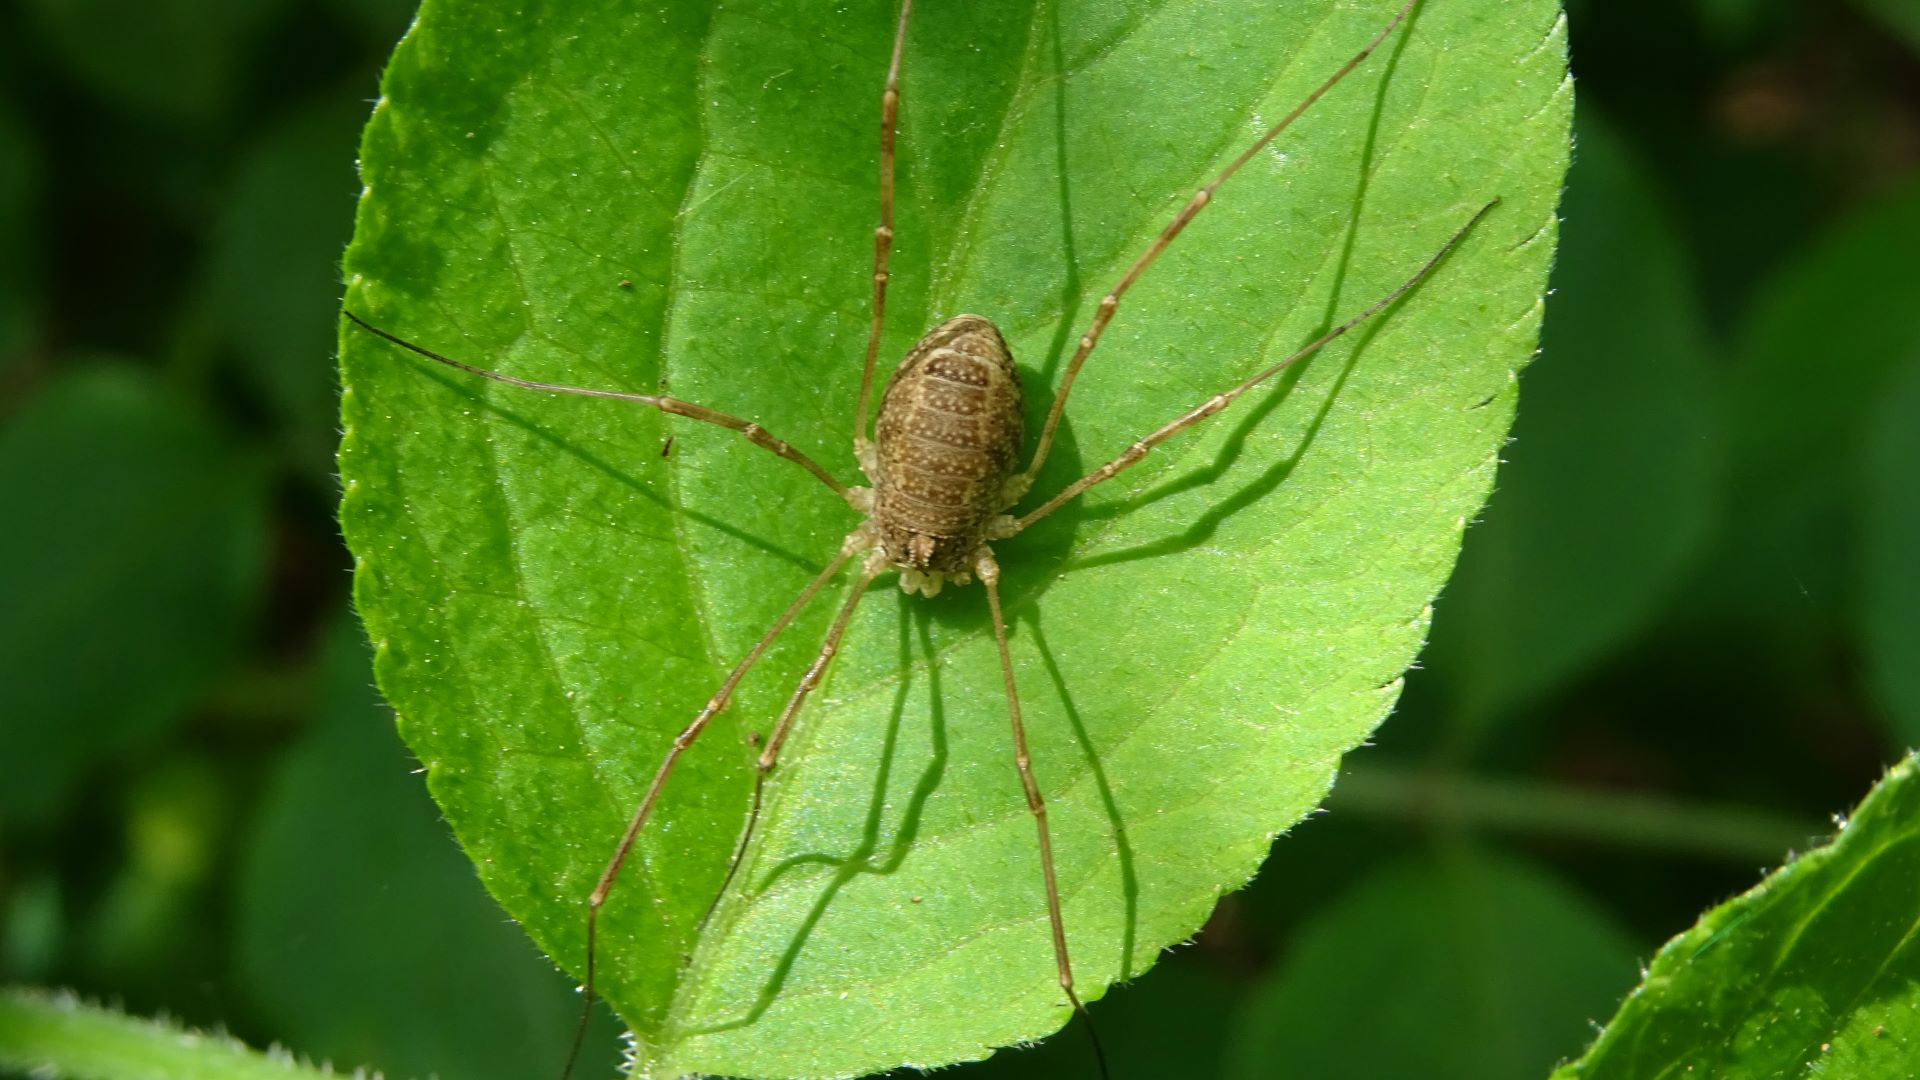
point(1684, 634)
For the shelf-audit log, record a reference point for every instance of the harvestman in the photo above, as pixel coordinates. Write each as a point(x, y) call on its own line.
point(941, 463)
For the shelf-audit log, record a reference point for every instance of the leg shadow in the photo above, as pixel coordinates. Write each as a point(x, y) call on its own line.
point(1123, 848)
point(867, 856)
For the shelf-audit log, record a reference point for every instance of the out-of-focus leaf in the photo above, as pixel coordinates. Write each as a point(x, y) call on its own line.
point(1819, 350)
point(19, 184)
point(381, 20)
point(142, 931)
point(1889, 517)
point(1608, 491)
point(1463, 966)
point(359, 916)
point(274, 274)
point(134, 553)
point(1815, 972)
point(175, 59)
point(1900, 16)
point(1198, 642)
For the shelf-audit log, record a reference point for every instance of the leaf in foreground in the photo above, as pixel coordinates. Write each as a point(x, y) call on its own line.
point(58, 1037)
point(686, 201)
point(1814, 972)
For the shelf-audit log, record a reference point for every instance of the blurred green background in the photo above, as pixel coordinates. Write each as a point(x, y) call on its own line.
point(1685, 633)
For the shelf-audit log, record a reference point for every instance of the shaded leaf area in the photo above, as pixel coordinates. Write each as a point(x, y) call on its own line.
point(1889, 524)
point(19, 184)
point(1815, 971)
point(60, 1038)
point(1611, 484)
point(1185, 993)
point(178, 60)
point(283, 217)
point(358, 917)
point(1901, 18)
point(1823, 342)
point(551, 598)
point(134, 557)
point(1462, 963)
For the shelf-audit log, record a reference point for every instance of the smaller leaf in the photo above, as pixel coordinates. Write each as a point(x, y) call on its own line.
point(1607, 497)
point(1815, 970)
point(1818, 350)
point(175, 59)
point(1889, 536)
point(359, 915)
point(19, 188)
point(271, 282)
point(1468, 965)
point(1902, 17)
point(134, 555)
point(59, 1038)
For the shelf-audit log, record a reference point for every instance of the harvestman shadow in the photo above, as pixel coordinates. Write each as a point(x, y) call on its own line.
point(1209, 522)
point(625, 478)
point(918, 618)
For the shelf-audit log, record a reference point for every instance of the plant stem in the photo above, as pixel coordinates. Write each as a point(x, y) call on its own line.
point(1627, 819)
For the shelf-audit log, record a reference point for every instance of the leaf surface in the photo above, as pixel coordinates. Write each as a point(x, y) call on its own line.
point(684, 200)
point(1816, 971)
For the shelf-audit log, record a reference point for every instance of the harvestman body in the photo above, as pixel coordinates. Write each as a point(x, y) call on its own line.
point(942, 468)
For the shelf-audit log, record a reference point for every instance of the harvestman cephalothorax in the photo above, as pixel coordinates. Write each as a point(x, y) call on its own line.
point(942, 448)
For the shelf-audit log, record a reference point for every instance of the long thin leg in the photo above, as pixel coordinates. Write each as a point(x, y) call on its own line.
point(854, 545)
point(754, 433)
point(1111, 302)
point(883, 235)
point(989, 574)
point(770, 754)
point(1220, 401)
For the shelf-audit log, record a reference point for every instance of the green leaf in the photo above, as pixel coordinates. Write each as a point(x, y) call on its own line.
point(1815, 971)
point(180, 60)
point(1819, 349)
point(59, 1038)
point(358, 917)
point(135, 553)
point(1609, 493)
point(1899, 16)
point(686, 200)
point(1467, 964)
point(270, 266)
point(1888, 518)
point(19, 200)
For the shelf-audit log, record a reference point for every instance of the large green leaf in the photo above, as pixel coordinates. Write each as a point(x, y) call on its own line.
point(1814, 972)
point(685, 199)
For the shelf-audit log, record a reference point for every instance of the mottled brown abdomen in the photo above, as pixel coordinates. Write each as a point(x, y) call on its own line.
point(946, 440)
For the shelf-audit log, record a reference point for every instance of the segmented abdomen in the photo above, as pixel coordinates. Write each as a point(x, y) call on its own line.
point(947, 438)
